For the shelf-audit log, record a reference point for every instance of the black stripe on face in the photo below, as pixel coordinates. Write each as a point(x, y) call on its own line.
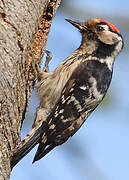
point(102, 23)
point(104, 50)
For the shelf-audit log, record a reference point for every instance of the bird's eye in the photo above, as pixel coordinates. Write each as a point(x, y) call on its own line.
point(100, 28)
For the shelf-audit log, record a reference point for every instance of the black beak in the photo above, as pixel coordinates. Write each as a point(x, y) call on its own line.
point(77, 24)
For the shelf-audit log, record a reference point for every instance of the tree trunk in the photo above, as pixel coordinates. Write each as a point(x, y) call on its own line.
point(24, 28)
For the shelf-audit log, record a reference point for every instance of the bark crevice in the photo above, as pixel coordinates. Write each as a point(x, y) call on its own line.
point(24, 28)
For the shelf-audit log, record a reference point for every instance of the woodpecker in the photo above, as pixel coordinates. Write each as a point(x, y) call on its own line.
point(74, 89)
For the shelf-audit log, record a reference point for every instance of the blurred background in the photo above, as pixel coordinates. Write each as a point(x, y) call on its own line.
point(100, 149)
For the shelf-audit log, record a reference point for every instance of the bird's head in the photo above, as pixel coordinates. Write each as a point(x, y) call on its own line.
point(99, 31)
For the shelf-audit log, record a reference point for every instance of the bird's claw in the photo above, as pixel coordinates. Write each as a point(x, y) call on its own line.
point(48, 59)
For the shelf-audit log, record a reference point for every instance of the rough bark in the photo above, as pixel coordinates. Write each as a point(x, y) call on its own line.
point(24, 28)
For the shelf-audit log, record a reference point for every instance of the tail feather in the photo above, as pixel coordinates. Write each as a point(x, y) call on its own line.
point(27, 146)
point(42, 151)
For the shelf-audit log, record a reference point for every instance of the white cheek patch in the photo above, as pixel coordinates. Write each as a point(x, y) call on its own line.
point(105, 27)
point(108, 37)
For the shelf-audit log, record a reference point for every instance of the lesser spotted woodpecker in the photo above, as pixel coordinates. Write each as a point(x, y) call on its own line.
point(75, 88)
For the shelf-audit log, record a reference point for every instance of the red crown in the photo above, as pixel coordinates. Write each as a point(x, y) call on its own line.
point(114, 28)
